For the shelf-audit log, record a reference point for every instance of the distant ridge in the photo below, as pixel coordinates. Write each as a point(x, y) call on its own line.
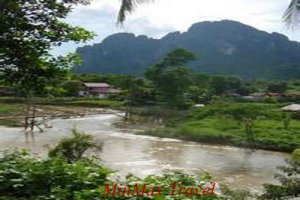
point(222, 47)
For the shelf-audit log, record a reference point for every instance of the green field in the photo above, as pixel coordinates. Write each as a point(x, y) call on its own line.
point(224, 123)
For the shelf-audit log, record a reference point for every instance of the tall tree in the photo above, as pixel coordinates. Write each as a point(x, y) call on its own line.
point(171, 78)
point(28, 30)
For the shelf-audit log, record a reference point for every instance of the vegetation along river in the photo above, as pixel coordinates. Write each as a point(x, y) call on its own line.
point(144, 155)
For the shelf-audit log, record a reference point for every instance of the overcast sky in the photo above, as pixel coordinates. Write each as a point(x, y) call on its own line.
point(163, 16)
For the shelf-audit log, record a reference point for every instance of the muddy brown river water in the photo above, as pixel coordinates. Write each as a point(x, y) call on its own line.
point(144, 155)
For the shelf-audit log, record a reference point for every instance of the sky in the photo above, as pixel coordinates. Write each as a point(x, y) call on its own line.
point(159, 17)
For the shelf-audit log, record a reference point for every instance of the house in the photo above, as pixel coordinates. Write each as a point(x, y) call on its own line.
point(100, 90)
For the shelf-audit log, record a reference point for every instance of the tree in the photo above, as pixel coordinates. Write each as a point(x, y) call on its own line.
point(72, 87)
point(28, 30)
point(222, 84)
point(170, 78)
point(286, 120)
point(277, 87)
point(249, 123)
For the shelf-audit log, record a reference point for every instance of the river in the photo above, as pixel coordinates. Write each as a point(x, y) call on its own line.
point(144, 155)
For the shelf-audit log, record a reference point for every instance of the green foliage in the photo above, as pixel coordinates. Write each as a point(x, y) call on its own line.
point(72, 87)
point(249, 123)
point(72, 149)
point(28, 178)
point(137, 91)
point(28, 30)
point(286, 120)
point(222, 84)
point(23, 177)
point(273, 192)
point(225, 123)
point(237, 195)
point(170, 78)
point(277, 87)
point(240, 111)
point(207, 41)
point(164, 182)
point(296, 156)
point(289, 179)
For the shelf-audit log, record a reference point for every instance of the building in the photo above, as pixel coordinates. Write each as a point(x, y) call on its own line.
point(100, 90)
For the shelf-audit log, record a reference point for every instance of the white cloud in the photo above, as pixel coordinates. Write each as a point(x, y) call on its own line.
point(160, 17)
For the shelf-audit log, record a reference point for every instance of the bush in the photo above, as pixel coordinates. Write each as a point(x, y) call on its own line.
point(27, 178)
point(289, 179)
point(23, 177)
point(72, 149)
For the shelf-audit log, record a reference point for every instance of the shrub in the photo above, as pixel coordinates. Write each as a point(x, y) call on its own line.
point(23, 177)
point(289, 179)
point(72, 149)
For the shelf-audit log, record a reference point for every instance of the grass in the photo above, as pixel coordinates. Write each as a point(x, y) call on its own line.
point(74, 101)
point(223, 123)
point(100, 103)
point(10, 110)
point(6, 108)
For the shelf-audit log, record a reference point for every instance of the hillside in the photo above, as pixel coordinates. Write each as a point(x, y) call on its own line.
point(222, 47)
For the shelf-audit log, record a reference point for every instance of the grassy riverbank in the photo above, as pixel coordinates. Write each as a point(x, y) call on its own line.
point(217, 123)
point(224, 123)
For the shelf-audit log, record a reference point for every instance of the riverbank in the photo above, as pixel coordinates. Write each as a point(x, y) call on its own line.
point(11, 108)
point(74, 101)
point(222, 123)
point(128, 153)
point(13, 115)
point(225, 124)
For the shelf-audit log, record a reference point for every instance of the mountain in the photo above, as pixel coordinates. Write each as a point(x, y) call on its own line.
point(222, 47)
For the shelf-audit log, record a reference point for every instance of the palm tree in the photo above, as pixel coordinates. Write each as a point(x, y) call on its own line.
point(128, 6)
point(290, 16)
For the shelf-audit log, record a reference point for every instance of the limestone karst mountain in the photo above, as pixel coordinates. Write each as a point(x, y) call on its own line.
point(222, 47)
